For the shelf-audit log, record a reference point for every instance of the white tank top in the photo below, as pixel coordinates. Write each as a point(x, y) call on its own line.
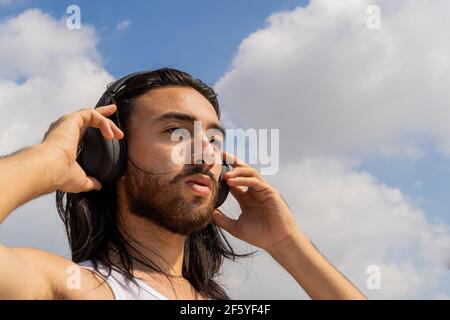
point(122, 288)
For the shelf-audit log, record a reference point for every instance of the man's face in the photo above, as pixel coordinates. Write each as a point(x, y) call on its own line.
point(160, 189)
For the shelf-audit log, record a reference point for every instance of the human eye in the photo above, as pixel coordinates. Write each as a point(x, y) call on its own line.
point(172, 129)
point(177, 133)
point(216, 142)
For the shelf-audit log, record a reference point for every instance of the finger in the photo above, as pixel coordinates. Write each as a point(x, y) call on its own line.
point(233, 160)
point(225, 222)
point(250, 182)
point(92, 184)
point(237, 191)
point(243, 172)
point(107, 111)
point(93, 118)
point(118, 133)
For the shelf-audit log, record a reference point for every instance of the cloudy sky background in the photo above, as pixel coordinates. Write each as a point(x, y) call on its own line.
point(363, 117)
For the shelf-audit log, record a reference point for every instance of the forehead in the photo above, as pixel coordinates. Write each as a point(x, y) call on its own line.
point(159, 101)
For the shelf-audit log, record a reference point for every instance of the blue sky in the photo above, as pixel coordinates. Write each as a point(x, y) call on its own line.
point(425, 180)
point(203, 37)
point(200, 37)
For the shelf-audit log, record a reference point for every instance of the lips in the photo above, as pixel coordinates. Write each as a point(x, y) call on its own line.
point(200, 184)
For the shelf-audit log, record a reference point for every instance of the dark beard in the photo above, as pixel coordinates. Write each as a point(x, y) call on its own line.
point(162, 202)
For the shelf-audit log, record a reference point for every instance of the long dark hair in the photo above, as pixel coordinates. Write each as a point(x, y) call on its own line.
point(91, 218)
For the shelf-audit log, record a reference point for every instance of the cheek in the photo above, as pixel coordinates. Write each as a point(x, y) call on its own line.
point(154, 156)
point(216, 171)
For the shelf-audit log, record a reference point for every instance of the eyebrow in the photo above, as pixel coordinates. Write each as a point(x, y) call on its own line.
point(185, 117)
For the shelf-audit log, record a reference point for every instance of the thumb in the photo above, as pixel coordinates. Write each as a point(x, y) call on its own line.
point(225, 222)
point(92, 184)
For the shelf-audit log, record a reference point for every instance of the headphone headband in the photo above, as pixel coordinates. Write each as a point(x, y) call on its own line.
point(115, 87)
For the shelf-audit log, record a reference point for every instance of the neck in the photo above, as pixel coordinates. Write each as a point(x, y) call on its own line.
point(162, 247)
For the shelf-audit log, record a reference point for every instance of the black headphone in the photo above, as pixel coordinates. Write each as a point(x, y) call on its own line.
point(106, 160)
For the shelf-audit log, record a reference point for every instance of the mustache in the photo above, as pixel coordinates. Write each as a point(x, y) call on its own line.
point(195, 169)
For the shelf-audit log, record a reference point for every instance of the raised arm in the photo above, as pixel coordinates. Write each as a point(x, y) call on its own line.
point(267, 222)
point(40, 169)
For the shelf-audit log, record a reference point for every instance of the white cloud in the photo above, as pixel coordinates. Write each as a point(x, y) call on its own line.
point(355, 221)
point(344, 79)
point(123, 25)
point(335, 87)
point(46, 70)
point(36, 224)
point(442, 296)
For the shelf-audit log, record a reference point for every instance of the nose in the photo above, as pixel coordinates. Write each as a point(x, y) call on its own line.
point(205, 154)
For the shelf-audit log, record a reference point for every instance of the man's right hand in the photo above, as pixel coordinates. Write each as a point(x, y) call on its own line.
point(63, 138)
point(51, 165)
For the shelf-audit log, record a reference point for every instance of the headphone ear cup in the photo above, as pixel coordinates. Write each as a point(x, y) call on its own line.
point(101, 158)
point(223, 186)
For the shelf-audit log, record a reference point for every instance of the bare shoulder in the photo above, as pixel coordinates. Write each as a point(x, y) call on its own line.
point(48, 276)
